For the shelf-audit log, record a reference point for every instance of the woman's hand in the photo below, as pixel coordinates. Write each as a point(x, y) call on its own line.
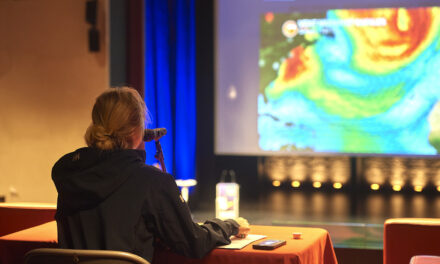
point(243, 229)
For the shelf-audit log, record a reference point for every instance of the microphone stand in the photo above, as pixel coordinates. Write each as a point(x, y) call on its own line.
point(159, 156)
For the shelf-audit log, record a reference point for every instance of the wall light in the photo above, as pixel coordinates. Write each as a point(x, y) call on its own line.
point(438, 188)
point(276, 183)
point(418, 188)
point(374, 186)
point(397, 188)
point(337, 185)
point(317, 184)
point(296, 184)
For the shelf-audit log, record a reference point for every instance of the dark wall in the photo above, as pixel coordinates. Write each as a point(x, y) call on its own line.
point(210, 166)
point(205, 98)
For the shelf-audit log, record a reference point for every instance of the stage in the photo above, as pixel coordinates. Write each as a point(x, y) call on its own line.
point(355, 222)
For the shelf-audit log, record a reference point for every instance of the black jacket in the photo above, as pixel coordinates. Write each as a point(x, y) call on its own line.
point(112, 200)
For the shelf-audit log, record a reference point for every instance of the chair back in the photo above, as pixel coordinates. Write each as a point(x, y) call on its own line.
point(423, 259)
point(81, 256)
point(408, 237)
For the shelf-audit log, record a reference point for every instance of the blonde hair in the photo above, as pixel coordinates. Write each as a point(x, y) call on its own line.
point(116, 115)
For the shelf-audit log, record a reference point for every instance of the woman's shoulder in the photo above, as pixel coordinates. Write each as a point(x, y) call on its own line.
point(148, 169)
point(152, 173)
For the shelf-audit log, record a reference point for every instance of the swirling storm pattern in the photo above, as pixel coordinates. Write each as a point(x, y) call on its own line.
point(354, 89)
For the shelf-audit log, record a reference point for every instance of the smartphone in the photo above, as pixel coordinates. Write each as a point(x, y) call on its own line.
point(269, 244)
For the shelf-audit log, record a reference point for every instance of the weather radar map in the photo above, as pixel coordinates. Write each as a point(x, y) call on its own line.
point(350, 81)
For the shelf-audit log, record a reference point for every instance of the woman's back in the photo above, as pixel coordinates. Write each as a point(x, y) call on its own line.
point(101, 196)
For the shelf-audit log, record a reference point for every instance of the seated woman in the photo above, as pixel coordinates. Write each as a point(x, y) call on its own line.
point(108, 198)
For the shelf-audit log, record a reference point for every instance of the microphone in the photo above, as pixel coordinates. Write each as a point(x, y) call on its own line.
point(154, 134)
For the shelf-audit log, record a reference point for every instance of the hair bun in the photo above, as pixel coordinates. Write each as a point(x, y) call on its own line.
point(99, 137)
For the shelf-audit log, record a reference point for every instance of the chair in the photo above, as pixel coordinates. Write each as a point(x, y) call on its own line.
point(425, 260)
point(81, 256)
point(408, 237)
point(18, 216)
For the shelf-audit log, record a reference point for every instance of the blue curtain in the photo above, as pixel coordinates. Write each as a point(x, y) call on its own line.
point(170, 92)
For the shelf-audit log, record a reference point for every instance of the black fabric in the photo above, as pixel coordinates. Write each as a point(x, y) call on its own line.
point(112, 200)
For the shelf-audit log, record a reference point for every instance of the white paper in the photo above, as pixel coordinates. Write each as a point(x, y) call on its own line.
point(239, 243)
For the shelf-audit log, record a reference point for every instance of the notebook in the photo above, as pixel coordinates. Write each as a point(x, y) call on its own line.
point(239, 243)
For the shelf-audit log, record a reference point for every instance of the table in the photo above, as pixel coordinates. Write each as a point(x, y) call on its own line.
point(314, 247)
point(19, 216)
point(14, 246)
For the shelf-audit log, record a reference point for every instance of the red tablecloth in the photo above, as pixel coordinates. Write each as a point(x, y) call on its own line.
point(314, 247)
point(18, 216)
point(15, 245)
